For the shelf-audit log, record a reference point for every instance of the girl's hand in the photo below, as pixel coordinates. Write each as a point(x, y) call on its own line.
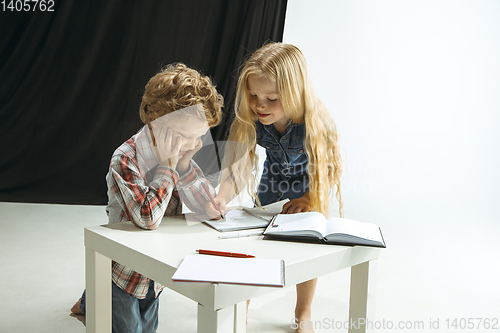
point(299, 205)
point(212, 211)
point(183, 165)
point(166, 151)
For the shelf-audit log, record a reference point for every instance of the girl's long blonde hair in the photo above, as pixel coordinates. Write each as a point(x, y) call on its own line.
point(285, 64)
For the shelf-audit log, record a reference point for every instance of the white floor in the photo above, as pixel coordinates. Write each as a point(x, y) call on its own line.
point(422, 279)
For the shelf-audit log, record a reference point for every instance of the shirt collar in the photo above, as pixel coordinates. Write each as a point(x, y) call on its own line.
point(145, 156)
point(273, 131)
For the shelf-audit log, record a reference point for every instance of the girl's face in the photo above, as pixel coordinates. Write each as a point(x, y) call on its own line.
point(265, 102)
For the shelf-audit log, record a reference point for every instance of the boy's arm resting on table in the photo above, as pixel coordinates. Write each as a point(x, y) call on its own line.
point(191, 191)
point(144, 204)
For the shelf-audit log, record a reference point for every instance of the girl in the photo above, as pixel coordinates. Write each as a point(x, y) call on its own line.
point(277, 108)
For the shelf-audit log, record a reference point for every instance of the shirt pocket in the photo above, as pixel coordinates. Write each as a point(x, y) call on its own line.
point(298, 161)
point(297, 153)
point(270, 145)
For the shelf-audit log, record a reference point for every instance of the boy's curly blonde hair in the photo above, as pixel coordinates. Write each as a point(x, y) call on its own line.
point(177, 86)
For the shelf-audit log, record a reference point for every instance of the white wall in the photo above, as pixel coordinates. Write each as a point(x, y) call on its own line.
point(414, 87)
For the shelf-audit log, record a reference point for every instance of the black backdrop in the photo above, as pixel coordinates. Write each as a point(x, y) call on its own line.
point(71, 81)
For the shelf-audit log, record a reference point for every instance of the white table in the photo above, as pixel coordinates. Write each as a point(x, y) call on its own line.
point(221, 308)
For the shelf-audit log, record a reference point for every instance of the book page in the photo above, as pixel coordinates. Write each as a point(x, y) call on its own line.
point(259, 213)
point(238, 220)
point(339, 225)
point(268, 211)
point(274, 208)
point(296, 223)
point(248, 271)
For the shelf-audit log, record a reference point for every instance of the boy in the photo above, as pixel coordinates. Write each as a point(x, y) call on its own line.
point(152, 173)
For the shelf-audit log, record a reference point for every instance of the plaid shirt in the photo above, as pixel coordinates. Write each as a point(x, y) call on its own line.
point(141, 191)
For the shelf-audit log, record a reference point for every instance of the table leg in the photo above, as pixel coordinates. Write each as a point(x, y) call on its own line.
point(225, 320)
point(362, 299)
point(240, 317)
point(98, 294)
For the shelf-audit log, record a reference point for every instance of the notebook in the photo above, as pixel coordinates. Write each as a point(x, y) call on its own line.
point(230, 270)
point(247, 218)
point(313, 226)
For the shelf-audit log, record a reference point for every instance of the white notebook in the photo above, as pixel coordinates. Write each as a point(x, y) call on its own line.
point(247, 218)
point(230, 270)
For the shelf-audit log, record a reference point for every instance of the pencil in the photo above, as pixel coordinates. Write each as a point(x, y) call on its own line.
point(225, 254)
point(241, 234)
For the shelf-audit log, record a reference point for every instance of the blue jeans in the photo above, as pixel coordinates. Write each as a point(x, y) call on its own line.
point(131, 314)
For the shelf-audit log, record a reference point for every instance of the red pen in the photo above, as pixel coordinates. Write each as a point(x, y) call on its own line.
point(225, 254)
point(212, 199)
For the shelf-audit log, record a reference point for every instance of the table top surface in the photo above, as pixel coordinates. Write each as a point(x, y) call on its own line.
point(158, 253)
point(175, 238)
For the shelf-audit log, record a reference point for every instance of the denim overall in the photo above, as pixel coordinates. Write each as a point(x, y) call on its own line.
point(285, 169)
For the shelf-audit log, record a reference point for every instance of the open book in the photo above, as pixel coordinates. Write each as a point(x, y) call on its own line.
point(313, 226)
point(245, 271)
point(247, 218)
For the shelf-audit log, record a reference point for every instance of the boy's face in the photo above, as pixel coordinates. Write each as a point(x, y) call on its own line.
point(188, 129)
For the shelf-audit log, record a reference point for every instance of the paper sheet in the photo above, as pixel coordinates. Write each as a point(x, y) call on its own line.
point(218, 269)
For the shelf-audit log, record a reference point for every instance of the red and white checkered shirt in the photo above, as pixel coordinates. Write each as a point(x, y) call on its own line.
point(141, 191)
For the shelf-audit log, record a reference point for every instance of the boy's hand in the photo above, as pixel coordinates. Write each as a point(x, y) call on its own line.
point(183, 164)
point(165, 153)
point(299, 205)
point(212, 211)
